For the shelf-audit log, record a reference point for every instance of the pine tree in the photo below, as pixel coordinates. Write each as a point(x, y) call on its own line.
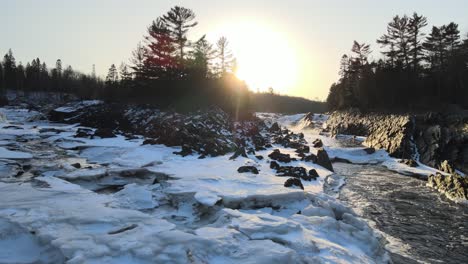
point(225, 57)
point(159, 58)
point(2, 84)
point(20, 77)
point(112, 76)
point(451, 37)
point(416, 24)
point(202, 55)
point(397, 41)
point(9, 68)
point(58, 68)
point(138, 62)
point(179, 21)
point(435, 48)
point(344, 66)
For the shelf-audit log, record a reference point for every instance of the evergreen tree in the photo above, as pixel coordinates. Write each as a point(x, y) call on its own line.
point(112, 76)
point(179, 21)
point(9, 68)
point(20, 77)
point(202, 55)
point(58, 68)
point(225, 57)
point(138, 62)
point(2, 84)
point(397, 41)
point(344, 66)
point(159, 58)
point(415, 26)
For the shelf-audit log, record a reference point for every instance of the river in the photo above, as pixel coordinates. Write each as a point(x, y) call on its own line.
point(422, 225)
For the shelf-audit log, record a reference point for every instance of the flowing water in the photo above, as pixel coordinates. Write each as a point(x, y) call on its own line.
point(422, 225)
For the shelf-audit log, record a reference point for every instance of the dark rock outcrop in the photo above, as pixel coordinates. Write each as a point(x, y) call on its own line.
point(323, 159)
point(209, 132)
point(436, 137)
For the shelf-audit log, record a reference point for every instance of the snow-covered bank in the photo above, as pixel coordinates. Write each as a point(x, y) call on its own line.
point(115, 200)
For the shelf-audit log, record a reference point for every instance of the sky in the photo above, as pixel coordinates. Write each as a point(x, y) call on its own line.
point(299, 41)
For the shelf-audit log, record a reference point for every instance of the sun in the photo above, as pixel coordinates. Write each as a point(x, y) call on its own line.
point(265, 57)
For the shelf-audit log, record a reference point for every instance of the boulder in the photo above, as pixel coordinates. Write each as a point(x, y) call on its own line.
point(293, 182)
point(247, 169)
point(84, 133)
point(277, 155)
point(317, 143)
point(311, 157)
point(290, 171)
point(275, 128)
point(302, 149)
point(104, 133)
point(313, 174)
point(369, 150)
point(239, 152)
point(409, 162)
point(274, 165)
point(323, 159)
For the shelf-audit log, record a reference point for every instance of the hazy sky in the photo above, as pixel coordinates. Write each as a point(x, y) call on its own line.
point(86, 32)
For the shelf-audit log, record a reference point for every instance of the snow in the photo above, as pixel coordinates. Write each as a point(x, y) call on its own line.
point(134, 203)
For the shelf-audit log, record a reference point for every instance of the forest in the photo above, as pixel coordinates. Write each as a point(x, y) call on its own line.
point(415, 70)
point(166, 70)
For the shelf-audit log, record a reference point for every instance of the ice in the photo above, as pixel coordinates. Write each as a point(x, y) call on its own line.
point(9, 154)
point(73, 107)
point(207, 198)
point(171, 209)
point(136, 196)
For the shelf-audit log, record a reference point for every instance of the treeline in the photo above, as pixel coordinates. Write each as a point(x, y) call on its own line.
point(167, 70)
point(275, 103)
point(36, 76)
point(417, 71)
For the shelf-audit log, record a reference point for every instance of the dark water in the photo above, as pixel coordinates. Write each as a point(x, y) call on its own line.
point(434, 229)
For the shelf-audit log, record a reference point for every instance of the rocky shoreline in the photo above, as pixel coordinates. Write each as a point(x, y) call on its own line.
point(434, 139)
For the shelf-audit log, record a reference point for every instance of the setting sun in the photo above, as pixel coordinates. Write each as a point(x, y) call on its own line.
point(265, 58)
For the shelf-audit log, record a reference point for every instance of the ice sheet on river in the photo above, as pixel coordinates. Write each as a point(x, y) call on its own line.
point(192, 211)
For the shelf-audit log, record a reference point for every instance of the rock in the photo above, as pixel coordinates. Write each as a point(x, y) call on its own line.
point(259, 157)
point(446, 167)
point(409, 162)
point(311, 157)
point(303, 149)
point(275, 128)
point(186, 150)
point(296, 172)
point(293, 182)
point(323, 159)
point(247, 169)
point(317, 143)
point(202, 156)
point(453, 186)
point(150, 141)
point(239, 152)
point(274, 165)
point(313, 174)
point(369, 150)
point(104, 133)
point(76, 165)
point(83, 133)
point(277, 155)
